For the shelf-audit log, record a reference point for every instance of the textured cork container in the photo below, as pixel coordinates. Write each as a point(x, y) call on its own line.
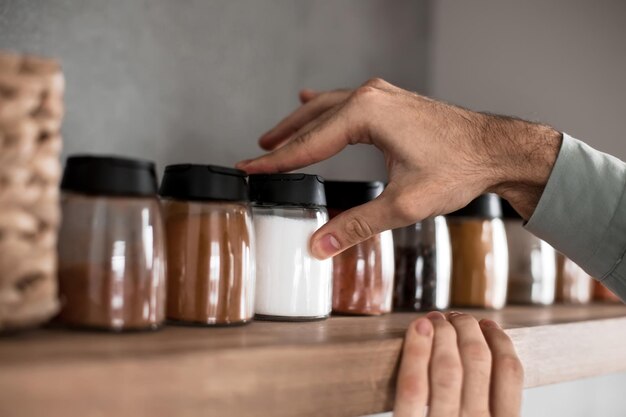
point(31, 110)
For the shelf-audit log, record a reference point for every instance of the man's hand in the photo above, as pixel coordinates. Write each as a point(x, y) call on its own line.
point(459, 367)
point(439, 157)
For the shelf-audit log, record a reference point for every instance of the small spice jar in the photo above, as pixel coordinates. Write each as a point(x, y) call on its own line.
point(603, 294)
point(479, 254)
point(362, 274)
point(532, 263)
point(111, 245)
point(291, 284)
point(573, 284)
point(210, 253)
point(423, 266)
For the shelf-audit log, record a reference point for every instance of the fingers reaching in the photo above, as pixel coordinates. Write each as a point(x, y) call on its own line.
point(319, 140)
point(412, 386)
point(314, 104)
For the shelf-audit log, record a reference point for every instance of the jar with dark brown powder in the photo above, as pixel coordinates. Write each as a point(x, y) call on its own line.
point(479, 254)
point(111, 245)
point(422, 252)
point(362, 274)
point(210, 250)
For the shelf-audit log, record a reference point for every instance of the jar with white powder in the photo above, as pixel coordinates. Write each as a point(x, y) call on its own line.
point(291, 284)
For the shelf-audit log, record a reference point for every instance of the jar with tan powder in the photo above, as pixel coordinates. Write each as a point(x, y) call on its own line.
point(362, 274)
point(479, 254)
point(111, 245)
point(210, 252)
point(532, 263)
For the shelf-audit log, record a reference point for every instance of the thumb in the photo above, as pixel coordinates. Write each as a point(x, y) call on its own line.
point(353, 226)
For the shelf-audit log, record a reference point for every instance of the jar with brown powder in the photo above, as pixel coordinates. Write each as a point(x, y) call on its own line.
point(111, 245)
point(210, 251)
point(362, 274)
point(479, 254)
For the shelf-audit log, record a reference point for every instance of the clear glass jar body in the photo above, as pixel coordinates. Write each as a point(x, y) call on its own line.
point(479, 262)
point(573, 284)
point(423, 266)
point(290, 283)
point(111, 262)
point(532, 266)
point(363, 276)
point(210, 262)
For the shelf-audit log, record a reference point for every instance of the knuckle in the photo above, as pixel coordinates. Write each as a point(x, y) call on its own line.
point(449, 365)
point(365, 92)
point(410, 386)
point(404, 207)
point(376, 82)
point(357, 229)
point(510, 367)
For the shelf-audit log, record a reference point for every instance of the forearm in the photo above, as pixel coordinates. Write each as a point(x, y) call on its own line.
point(582, 207)
point(520, 156)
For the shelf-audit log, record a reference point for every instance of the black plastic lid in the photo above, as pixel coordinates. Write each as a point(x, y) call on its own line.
point(109, 175)
point(203, 182)
point(486, 206)
point(344, 195)
point(508, 212)
point(287, 189)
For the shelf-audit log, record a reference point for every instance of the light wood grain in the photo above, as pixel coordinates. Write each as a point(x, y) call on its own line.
point(341, 367)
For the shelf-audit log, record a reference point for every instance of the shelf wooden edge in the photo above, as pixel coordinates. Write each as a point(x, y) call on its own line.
point(347, 379)
point(564, 352)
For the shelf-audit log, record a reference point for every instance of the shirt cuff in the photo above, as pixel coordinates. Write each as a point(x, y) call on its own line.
point(582, 211)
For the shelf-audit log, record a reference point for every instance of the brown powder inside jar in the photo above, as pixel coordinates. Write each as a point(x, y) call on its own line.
point(99, 296)
point(602, 293)
point(359, 282)
point(209, 262)
point(479, 262)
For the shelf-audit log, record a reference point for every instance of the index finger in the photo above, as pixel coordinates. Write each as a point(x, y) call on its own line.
point(319, 140)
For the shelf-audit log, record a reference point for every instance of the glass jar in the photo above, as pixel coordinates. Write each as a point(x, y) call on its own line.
point(291, 284)
point(111, 245)
point(210, 259)
point(603, 294)
point(479, 254)
point(363, 273)
point(573, 284)
point(532, 263)
point(423, 266)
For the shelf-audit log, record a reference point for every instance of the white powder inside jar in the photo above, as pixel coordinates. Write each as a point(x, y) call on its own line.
point(290, 281)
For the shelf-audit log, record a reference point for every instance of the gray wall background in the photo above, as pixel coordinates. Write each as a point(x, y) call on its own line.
point(561, 62)
point(199, 81)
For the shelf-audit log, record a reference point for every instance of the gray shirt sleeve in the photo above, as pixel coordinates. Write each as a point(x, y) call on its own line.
point(582, 212)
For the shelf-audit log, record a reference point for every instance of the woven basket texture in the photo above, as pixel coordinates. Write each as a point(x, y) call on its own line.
point(31, 111)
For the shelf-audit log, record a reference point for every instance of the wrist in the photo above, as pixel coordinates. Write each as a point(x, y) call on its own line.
point(522, 155)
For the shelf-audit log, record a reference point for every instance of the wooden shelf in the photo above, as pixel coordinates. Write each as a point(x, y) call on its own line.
point(344, 366)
